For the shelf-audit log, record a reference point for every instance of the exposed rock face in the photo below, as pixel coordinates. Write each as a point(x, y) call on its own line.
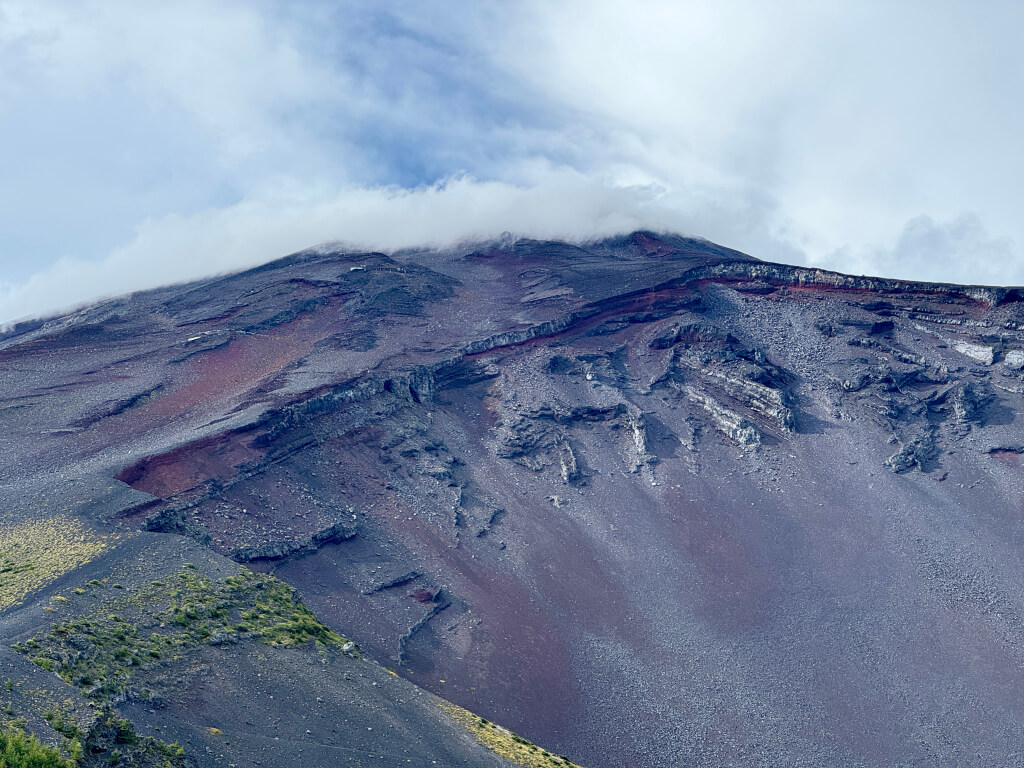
point(726, 421)
point(977, 352)
point(277, 550)
point(646, 501)
point(912, 455)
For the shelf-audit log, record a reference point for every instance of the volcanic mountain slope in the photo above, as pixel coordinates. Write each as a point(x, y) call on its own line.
point(646, 502)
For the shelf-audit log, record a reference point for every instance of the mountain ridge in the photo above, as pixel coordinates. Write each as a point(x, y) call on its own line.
point(645, 500)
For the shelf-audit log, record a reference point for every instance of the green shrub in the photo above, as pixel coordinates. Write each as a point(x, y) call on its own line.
point(21, 750)
point(161, 620)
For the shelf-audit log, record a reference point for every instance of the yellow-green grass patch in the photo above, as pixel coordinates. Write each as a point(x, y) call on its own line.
point(35, 552)
point(503, 742)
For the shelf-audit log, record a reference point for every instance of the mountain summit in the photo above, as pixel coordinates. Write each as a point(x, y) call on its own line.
point(644, 502)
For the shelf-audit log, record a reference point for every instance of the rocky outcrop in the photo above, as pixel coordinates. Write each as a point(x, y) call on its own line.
point(396, 581)
point(725, 420)
point(538, 438)
point(856, 382)
point(172, 519)
point(783, 274)
point(892, 351)
point(691, 333)
point(767, 401)
point(979, 353)
point(570, 469)
point(639, 452)
point(285, 548)
point(913, 454)
point(965, 402)
point(439, 601)
point(119, 407)
point(1014, 359)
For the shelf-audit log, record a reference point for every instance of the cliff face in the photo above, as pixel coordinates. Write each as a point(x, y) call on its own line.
point(647, 502)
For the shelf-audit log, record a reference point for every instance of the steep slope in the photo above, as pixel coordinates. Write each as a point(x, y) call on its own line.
point(647, 501)
point(167, 654)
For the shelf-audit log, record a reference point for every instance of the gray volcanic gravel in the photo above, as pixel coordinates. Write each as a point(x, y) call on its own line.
point(646, 502)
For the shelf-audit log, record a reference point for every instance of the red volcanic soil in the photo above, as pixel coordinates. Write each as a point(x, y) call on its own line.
point(246, 361)
point(1009, 456)
point(192, 465)
point(224, 373)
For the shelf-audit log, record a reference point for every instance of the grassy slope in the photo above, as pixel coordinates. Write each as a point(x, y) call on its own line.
point(134, 628)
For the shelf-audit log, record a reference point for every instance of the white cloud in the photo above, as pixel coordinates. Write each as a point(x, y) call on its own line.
point(955, 251)
point(851, 118)
point(287, 216)
point(561, 204)
point(161, 142)
point(229, 67)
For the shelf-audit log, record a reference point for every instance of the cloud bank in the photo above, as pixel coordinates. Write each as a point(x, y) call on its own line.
point(152, 144)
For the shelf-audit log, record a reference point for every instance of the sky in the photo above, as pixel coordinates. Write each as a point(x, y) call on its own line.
point(149, 143)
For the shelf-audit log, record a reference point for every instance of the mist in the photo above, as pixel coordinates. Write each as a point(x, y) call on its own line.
point(144, 146)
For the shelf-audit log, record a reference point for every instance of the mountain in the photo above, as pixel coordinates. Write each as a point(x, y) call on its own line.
point(644, 502)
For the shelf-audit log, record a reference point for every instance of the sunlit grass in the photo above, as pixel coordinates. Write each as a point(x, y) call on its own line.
point(503, 742)
point(131, 630)
point(34, 553)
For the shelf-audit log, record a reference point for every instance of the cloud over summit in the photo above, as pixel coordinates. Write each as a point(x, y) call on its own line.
point(147, 144)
